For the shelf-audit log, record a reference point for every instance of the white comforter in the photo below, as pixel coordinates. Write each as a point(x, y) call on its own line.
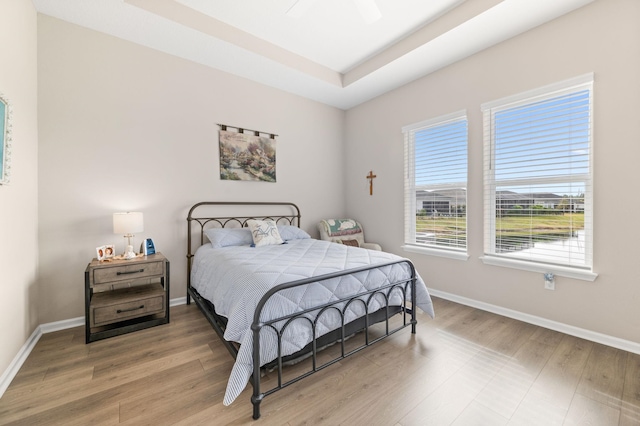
point(235, 278)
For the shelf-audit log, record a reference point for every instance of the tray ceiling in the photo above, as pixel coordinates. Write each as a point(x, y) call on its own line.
point(329, 50)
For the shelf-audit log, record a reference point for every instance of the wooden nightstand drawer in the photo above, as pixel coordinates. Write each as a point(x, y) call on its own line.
point(127, 272)
point(121, 296)
point(114, 306)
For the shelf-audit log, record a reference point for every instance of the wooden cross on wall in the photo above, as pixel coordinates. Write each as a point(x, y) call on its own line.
point(371, 177)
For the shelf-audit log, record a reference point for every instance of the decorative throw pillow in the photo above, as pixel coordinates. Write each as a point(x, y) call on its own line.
point(352, 243)
point(223, 237)
point(264, 232)
point(337, 227)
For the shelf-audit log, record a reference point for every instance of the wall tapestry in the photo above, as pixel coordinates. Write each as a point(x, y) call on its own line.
point(247, 156)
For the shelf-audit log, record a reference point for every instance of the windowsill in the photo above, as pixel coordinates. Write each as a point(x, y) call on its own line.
point(562, 271)
point(457, 255)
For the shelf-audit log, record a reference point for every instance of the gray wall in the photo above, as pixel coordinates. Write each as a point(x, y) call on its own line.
point(604, 38)
point(19, 199)
point(126, 128)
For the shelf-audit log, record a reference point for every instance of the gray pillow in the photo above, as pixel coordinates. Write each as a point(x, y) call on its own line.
point(289, 232)
point(223, 237)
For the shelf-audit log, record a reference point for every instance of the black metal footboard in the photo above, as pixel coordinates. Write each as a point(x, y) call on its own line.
point(312, 315)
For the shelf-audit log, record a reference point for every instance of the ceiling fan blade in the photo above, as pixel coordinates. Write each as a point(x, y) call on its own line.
point(299, 8)
point(369, 10)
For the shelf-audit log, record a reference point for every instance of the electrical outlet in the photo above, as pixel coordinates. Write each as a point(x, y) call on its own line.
point(549, 281)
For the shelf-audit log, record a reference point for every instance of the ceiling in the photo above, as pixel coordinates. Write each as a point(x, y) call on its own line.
point(329, 53)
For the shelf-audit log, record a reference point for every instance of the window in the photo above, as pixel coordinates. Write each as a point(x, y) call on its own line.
point(435, 185)
point(538, 178)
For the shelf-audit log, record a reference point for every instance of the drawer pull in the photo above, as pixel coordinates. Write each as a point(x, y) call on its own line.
point(130, 272)
point(120, 311)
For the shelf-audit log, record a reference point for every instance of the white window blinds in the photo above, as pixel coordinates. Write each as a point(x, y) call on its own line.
point(435, 182)
point(538, 175)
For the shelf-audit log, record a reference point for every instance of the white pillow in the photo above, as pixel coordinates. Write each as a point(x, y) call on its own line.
point(290, 232)
point(223, 237)
point(264, 232)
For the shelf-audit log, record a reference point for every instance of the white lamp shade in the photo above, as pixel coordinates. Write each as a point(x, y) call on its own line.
point(127, 223)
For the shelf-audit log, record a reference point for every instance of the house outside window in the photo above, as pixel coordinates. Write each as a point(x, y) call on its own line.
point(538, 192)
point(435, 185)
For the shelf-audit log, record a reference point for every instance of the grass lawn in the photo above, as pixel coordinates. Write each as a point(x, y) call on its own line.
point(511, 226)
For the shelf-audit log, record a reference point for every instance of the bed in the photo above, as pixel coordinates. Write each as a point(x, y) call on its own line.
point(273, 304)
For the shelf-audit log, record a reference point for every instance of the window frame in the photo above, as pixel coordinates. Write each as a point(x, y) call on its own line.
point(489, 109)
point(409, 194)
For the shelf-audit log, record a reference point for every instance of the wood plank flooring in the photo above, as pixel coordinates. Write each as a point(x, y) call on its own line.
point(466, 367)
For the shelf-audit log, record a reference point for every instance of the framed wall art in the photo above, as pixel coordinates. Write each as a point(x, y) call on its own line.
point(5, 140)
point(247, 155)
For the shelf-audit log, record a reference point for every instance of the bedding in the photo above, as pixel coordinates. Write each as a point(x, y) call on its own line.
point(223, 237)
point(264, 232)
point(235, 277)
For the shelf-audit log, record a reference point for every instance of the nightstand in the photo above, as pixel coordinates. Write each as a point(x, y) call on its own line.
point(122, 296)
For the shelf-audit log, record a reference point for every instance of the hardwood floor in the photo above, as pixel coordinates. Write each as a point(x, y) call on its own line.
point(466, 367)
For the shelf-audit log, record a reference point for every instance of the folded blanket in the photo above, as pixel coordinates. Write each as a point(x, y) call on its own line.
point(337, 227)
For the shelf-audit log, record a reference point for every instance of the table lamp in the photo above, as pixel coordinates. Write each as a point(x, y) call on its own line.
point(128, 223)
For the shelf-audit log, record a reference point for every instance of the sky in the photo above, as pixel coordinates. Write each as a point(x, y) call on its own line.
point(538, 147)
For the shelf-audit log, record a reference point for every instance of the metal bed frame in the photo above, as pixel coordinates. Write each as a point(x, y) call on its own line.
point(340, 306)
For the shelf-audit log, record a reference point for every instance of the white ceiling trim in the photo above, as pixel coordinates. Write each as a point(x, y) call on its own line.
point(173, 28)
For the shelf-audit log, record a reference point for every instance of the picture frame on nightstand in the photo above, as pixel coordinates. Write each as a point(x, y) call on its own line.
point(100, 254)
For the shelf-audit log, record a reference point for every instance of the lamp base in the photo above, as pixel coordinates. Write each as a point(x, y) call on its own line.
point(129, 253)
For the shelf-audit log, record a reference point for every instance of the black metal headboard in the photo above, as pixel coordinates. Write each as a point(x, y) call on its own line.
point(280, 212)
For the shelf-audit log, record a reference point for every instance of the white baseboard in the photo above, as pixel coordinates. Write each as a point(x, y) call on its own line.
point(178, 301)
point(25, 350)
point(582, 333)
point(50, 327)
point(18, 360)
